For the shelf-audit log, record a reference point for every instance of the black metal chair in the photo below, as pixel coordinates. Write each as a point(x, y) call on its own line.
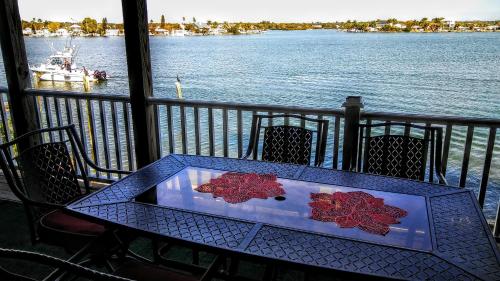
point(45, 169)
point(288, 144)
point(401, 155)
point(129, 270)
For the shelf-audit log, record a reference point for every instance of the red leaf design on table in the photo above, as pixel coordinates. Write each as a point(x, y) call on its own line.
point(241, 187)
point(355, 209)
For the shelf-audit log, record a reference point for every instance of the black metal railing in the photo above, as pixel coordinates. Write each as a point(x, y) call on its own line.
point(222, 129)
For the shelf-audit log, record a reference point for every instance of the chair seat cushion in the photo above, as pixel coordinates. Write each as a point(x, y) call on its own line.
point(144, 272)
point(60, 221)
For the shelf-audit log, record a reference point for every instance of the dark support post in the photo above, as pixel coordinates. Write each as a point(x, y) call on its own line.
point(135, 20)
point(22, 107)
point(353, 106)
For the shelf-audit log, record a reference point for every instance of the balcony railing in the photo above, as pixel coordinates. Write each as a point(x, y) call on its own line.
point(222, 129)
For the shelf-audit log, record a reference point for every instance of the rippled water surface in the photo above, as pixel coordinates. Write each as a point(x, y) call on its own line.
point(445, 73)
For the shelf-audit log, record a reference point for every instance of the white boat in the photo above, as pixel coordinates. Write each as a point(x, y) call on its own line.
point(61, 67)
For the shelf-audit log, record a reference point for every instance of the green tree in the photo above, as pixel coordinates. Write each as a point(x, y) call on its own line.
point(162, 21)
point(194, 20)
point(53, 26)
point(104, 26)
point(89, 26)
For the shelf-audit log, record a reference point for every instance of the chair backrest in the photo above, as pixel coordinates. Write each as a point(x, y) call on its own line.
point(288, 144)
point(42, 168)
point(400, 155)
point(42, 259)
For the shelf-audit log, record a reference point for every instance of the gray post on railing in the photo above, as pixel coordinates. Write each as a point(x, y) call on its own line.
point(140, 81)
point(352, 110)
point(22, 107)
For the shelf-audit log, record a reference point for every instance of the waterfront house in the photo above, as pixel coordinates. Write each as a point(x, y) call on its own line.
point(62, 32)
point(112, 32)
point(450, 24)
point(399, 25)
point(161, 31)
point(493, 27)
point(75, 29)
point(27, 31)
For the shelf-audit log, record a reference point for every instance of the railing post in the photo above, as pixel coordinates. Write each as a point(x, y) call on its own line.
point(135, 20)
point(352, 113)
point(23, 109)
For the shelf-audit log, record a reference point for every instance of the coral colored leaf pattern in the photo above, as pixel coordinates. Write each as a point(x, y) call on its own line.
point(355, 209)
point(241, 187)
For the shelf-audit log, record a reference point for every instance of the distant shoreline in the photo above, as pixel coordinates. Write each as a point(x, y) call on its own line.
point(89, 27)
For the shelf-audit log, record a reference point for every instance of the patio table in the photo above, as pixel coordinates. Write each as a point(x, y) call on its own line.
point(315, 218)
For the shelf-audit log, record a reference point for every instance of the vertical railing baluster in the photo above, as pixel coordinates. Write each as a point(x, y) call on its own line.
point(196, 114)
point(116, 136)
point(302, 121)
point(225, 133)
point(407, 129)
point(336, 140)
point(81, 126)
point(171, 144)
point(58, 117)
point(105, 139)
point(467, 149)
point(239, 125)
point(182, 112)
point(446, 147)
point(211, 139)
point(487, 165)
point(156, 112)
point(93, 136)
point(48, 116)
point(69, 111)
point(128, 138)
point(387, 130)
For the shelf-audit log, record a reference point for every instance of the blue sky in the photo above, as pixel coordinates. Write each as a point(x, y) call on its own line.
point(274, 10)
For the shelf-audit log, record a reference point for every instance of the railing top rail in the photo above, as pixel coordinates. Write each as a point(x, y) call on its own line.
point(247, 107)
point(382, 116)
point(78, 95)
point(434, 119)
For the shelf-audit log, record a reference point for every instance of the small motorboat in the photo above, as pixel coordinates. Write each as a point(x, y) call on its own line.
point(61, 67)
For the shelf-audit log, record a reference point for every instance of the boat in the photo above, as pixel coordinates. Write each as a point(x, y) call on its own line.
point(61, 67)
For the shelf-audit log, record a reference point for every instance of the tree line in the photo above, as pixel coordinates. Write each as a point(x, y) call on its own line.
point(92, 26)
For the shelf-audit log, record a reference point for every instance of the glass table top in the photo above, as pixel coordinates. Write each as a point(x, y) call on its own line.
point(294, 211)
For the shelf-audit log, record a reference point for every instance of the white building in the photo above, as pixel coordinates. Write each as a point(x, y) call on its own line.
point(43, 32)
point(27, 31)
point(161, 31)
point(76, 29)
point(399, 25)
point(450, 24)
point(112, 32)
point(62, 32)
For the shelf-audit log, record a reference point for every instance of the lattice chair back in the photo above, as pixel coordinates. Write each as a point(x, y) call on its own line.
point(42, 168)
point(401, 155)
point(286, 143)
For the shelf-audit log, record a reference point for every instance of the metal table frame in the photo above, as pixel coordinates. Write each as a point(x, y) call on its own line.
point(458, 252)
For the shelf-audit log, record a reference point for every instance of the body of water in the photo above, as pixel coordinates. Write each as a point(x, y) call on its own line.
point(438, 73)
